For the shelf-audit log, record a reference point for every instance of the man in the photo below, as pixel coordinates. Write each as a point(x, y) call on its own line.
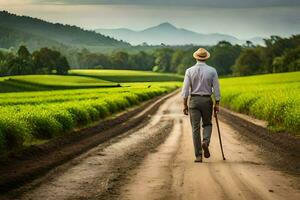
point(200, 82)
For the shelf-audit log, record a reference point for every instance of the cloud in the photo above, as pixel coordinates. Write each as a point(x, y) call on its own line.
point(14, 2)
point(200, 3)
point(243, 20)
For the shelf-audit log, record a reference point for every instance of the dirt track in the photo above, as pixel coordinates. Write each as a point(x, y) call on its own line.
point(155, 161)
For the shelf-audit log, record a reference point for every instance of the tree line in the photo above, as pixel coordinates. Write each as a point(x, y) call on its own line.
point(277, 55)
point(43, 61)
point(163, 59)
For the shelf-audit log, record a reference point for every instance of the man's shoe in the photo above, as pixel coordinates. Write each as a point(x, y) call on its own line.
point(198, 159)
point(206, 150)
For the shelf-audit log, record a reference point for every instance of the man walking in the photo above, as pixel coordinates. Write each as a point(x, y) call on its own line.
point(200, 82)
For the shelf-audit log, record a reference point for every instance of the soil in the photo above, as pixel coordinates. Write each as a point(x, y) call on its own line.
point(155, 160)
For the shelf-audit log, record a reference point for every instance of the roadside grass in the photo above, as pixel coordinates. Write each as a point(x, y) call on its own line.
point(121, 76)
point(272, 97)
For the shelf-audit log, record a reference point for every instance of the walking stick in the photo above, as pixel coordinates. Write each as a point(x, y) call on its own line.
point(220, 139)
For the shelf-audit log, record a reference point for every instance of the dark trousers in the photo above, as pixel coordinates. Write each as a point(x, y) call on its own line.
point(200, 109)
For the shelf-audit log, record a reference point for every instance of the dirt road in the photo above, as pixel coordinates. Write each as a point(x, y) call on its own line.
point(155, 161)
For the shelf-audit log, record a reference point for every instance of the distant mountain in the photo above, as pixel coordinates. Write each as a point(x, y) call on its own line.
point(167, 33)
point(16, 29)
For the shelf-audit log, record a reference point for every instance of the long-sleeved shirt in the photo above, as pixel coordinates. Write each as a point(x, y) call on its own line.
point(201, 79)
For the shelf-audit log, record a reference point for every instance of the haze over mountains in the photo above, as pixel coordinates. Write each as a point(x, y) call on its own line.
point(168, 34)
point(35, 33)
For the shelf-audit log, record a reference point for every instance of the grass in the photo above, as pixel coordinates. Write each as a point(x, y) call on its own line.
point(32, 117)
point(121, 76)
point(59, 80)
point(273, 97)
point(50, 82)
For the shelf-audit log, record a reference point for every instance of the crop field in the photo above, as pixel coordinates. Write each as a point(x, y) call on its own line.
point(33, 117)
point(273, 97)
point(121, 76)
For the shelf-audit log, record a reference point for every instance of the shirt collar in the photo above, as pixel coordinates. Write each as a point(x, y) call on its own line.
point(200, 62)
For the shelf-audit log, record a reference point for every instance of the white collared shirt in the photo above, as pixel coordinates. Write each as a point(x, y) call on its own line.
point(201, 79)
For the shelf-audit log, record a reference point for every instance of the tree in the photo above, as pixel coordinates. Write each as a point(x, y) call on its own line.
point(120, 60)
point(176, 60)
point(249, 44)
point(290, 61)
point(278, 64)
point(248, 63)
point(141, 60)
point(187, 61)
point(24, 60)
point(23, 53)
point(62, 67)
point(163, 58)
point(4, 70)
point(46, 60)
point(223, 57)
point(2, 56)
point(43, 61)
point(16, 64)
point(276, 47)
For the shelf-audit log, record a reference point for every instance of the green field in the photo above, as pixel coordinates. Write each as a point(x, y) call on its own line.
point(121, 76)
point(273, 97)
point(81, 79)
point(32, 117)
point(50, 82)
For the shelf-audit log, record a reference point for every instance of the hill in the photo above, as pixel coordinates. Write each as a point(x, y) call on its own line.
point(14, 38)
point(169, 34)
point(16, 29)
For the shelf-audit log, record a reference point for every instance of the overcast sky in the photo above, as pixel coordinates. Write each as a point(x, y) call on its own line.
point(241, 18)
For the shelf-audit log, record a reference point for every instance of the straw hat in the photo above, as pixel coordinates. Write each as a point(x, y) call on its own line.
point(201, 54)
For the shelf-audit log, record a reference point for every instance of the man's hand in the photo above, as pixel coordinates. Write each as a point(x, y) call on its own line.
point(185, 110)
point(216, 108)
point(185, 106)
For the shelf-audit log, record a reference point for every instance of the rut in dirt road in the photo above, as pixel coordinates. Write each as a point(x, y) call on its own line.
point(155, 161)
